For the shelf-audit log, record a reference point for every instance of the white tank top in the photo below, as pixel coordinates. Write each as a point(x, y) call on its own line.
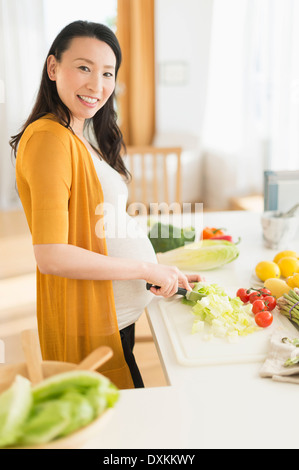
point(125, 238)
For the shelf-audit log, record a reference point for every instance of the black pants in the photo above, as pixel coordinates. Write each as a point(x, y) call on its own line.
point(127, 336)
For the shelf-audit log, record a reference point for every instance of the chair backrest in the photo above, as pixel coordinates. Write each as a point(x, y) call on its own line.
point(156, 179)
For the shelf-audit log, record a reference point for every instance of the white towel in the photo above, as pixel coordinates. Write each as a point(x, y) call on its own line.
point(279, 353)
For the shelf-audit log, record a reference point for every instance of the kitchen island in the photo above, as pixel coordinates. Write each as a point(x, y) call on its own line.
point(211, 406)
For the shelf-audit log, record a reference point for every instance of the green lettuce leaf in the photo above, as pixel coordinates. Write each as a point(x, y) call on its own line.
point(47, 421)
point(82, 412)
point(15, 405)
point(102, 397)
point(227, 317)
point(56, 385)
point(201, 256)
point(55, 408)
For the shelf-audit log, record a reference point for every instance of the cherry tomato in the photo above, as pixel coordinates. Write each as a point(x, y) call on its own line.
point(264, 318)
point(242, 294)
point(254, 296)
point(270, 302)
point(264, 291)
point(258, 306)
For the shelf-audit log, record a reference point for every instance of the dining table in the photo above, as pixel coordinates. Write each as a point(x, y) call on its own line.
point(216, 399)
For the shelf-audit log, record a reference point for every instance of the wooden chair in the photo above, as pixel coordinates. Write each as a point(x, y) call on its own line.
point(155, 186)
point(156, 179)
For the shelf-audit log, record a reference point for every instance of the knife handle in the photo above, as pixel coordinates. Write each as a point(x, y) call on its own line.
point(180, 291)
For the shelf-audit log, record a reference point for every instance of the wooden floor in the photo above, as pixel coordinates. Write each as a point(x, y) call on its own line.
point(17, 299)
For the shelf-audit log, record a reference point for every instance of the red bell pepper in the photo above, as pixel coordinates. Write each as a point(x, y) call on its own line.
point(229, 238)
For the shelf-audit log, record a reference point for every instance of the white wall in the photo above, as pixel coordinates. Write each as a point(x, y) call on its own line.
point(182, 35)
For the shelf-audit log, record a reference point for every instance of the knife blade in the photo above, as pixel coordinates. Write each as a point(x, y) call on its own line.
point(188, 294)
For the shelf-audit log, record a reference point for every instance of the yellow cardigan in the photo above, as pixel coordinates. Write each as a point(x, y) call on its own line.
point(59, 190)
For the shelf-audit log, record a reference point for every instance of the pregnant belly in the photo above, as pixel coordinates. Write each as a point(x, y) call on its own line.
point(131, 296)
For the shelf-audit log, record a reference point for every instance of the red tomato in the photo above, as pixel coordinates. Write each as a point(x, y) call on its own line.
point(242, 294)
point(258, 306)
point(264, 319)
point(254, 296)
point(265, 291)
point(270, 302)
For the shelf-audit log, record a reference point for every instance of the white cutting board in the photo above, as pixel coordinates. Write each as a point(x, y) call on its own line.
point(191, 349)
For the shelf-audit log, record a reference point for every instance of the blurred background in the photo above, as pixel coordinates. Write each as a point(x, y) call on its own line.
point(220, 78)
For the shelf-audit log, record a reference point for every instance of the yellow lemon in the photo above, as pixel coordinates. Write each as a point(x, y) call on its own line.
point(283, 254)
point(293, 281)
point(290, 282)
point(277, 287)
point(288, 266)
point(267, 269)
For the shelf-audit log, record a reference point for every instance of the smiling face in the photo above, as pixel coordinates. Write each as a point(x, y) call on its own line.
point(85, 78)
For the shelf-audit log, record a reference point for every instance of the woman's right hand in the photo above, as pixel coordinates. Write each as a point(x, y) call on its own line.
point(168, 278)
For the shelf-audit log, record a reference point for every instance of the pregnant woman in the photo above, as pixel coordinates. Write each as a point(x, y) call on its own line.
point(92, 258)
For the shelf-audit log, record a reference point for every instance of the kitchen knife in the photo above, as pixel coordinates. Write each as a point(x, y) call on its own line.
point(188, 294)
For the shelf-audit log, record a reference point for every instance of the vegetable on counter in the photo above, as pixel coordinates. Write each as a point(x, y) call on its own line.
point(204, 289)
point(226, 317)
point(212, 233)
point(294, 342)
point(288, 305)
point(264, 318)
point(209, 232)
point(168, 237)
point(294, 359)
point(229, 238)
point(201, 256)
point(262, 304)
point(55, 408)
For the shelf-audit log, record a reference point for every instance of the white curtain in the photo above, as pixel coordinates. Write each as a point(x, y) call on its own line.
point(252, 112)
point(22, 49)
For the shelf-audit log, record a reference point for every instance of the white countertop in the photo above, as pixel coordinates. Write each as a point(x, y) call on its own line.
point(209, 407)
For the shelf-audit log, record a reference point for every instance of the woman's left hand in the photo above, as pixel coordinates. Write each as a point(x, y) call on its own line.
point(194, 278)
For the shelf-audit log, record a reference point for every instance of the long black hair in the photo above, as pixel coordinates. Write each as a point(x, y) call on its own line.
point(104, 123)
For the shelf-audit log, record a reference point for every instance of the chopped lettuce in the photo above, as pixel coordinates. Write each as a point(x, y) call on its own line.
point(226, 317)
point(204, 289)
